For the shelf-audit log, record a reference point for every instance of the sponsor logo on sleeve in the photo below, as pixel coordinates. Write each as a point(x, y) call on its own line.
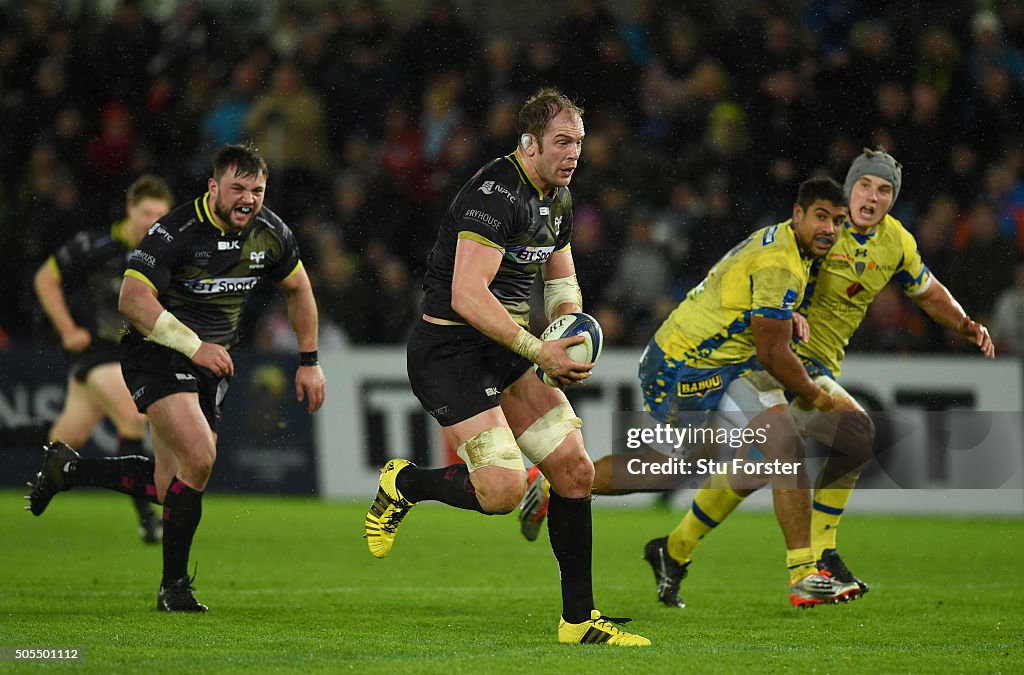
point(789, 299)
point(143, 258)
point(159, 230)
point(483, 218)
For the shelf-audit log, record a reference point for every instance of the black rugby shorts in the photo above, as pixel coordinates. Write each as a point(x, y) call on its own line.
point(457, 372)
point(153, 372)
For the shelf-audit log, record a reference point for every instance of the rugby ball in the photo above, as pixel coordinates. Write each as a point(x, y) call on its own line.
point(569, 325)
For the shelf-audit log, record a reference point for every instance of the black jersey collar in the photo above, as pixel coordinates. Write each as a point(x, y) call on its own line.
point(203, 212)
point(525, 176)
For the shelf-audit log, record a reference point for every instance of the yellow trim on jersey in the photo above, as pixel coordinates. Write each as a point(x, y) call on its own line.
point(473, 236)
point(567, 247)
point(213, 221)
point(298, 266)
point(523, 174)
point(199, 211)
point(51, 262)
point(135, 274)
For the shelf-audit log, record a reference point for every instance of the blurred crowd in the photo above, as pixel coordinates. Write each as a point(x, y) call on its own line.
point(701, 120)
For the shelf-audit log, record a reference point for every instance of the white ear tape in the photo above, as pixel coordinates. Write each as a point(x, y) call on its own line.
point(525, 140)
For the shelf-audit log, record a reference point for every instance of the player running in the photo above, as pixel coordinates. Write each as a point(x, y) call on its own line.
point(78, 288)
point(471, 359)
point(183, 293)
point(705, 357)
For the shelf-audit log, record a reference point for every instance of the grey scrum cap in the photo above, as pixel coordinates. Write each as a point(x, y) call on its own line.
point(875, 163)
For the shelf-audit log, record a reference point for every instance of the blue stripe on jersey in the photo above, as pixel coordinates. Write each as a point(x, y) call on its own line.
point(701, 516)
point(715, 341)
point(862, 238)
point(816, 368)
point(832, 511)
point(907, 281)
point(773, 313)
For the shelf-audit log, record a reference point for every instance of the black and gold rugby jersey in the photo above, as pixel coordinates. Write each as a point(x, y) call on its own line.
point(203, 275)
point(90, 266)
point(502, 208)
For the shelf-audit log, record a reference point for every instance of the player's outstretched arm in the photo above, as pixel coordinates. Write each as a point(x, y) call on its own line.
point(938, 303)
point(310, 383)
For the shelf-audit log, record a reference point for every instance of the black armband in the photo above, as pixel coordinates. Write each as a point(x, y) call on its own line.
point(309, 359)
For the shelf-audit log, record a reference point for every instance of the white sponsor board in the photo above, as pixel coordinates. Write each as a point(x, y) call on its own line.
point(371, 415)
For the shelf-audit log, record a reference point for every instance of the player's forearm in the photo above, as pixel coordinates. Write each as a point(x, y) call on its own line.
point(480, 309)
point(938, 303)
point(51, 297)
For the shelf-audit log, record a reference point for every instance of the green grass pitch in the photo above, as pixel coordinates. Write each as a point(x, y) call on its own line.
point(292, 588)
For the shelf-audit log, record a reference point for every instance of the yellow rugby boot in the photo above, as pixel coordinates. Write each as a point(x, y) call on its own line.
point(387, 510)
point(598, 630)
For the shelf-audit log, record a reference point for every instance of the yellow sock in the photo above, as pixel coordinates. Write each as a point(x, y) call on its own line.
point(827, 509)
point(800, 562)
point(714, 501)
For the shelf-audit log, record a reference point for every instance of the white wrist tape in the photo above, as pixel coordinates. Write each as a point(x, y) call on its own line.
point(560, 291)
point(170, 332)
point(526, 345)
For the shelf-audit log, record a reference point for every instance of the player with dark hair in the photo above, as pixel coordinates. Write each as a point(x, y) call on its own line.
point(183, 293)
point(471, 358)
point(872, 249)
point(707, 356)
point(78, 288)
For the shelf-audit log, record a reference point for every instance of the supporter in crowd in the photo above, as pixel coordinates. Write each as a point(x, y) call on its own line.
point(92, 99)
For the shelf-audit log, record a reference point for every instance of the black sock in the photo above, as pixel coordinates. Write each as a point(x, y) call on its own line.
point(129, 447)
point(132, 475)
point(183, 508)
point(569, 528)
point(450, 485)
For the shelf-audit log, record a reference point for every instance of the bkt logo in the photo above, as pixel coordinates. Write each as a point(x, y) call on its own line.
point(229, 245)
point(256, 257)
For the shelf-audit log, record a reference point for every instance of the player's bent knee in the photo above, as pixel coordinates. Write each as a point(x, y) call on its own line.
point(545, 435)
point(499, 490)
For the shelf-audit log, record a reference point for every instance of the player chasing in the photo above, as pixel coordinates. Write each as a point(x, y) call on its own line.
point(704, 359)
point(471, 359)
point(183, 292)
point(872, 248)
point(78, 288)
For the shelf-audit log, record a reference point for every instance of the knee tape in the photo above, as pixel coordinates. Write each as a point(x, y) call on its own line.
point(545, 435)
point(493, 447)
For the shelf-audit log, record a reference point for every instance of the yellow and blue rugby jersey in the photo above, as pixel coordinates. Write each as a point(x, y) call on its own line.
point(848, 279)
point(764, 275)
